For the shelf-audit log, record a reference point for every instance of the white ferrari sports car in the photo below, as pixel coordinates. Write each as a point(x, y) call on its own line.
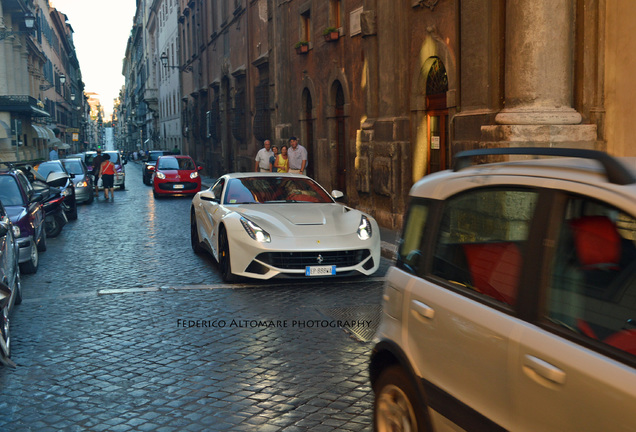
point(263, 225)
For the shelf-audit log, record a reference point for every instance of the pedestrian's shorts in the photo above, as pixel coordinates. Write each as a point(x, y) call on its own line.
point(108, 180)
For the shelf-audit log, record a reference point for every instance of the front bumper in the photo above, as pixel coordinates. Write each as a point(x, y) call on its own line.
point(176, 188)
point(291, 257)
point(24, 247)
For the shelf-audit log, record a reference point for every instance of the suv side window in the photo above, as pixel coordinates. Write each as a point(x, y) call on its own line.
point(593, 274)
point(411, 243)
point(481, 238)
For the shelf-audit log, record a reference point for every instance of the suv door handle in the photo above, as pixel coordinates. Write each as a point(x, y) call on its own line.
point(544, 369)
point(423, 310)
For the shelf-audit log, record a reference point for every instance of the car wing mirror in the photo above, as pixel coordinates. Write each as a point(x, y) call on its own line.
point(151, 167)
point(199, 168)
point(336, 194)
point(209, 196)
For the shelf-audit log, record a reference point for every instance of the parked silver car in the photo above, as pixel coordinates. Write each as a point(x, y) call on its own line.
point(83, 180)
point(512, 304)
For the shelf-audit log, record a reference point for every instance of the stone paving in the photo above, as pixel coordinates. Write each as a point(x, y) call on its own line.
point(123, 328)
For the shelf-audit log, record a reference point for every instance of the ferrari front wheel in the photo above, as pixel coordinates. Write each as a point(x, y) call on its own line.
point(224, 258)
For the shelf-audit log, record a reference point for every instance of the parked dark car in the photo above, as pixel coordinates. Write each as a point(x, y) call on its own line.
point(44, 169)
point(10, 288)
point(149, 163)
point(83, 179)
point(23, 206)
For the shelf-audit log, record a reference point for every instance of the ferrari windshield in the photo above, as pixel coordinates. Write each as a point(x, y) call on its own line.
point(268, 190)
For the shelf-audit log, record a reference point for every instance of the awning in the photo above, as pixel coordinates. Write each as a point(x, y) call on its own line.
point(49, 132)
point(22, 104)
point(40, 132)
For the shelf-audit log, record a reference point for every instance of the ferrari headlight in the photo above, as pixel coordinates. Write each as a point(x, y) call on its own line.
point(67, 192)
point(254, 231)
point(194, 175)
point(160, 175)
point(364, 229)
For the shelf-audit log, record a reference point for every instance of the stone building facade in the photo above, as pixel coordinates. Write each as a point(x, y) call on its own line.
point(399, 87)
point(41, 88)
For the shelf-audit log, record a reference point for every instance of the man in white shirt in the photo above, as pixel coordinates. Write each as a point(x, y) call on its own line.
point(297, 156)
point(262, 157)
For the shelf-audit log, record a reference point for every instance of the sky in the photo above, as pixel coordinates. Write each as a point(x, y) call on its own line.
point(101, 30)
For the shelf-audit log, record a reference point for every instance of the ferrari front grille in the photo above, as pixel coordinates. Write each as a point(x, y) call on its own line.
point(300, 260)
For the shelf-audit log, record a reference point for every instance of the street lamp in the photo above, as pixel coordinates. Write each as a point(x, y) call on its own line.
point(164, 62)
point(62, 78)
point(29, 23)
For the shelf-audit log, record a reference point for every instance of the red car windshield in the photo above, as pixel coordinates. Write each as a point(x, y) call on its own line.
point(172, 163)
point(269, 190)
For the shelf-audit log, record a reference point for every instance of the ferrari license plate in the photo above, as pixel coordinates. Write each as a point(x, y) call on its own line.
point(177, 186)
point(320, 270)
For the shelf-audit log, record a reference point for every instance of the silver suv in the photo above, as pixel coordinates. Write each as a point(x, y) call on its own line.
point(512, 304)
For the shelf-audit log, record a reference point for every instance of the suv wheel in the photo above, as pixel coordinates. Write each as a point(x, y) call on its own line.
point(395, 407)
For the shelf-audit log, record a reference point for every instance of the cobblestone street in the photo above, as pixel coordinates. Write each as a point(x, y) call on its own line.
point(124, 328)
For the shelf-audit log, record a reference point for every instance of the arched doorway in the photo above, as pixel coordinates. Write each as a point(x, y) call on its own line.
point(308, 131)
point(340, 138)
point(437, 117)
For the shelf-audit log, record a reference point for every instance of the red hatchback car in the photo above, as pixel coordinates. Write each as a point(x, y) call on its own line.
point(176, 175)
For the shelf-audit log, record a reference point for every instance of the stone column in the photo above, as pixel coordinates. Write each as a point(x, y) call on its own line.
point(539, 78)
point(538, 64)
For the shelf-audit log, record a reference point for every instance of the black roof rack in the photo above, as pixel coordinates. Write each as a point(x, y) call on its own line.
point(616, 172)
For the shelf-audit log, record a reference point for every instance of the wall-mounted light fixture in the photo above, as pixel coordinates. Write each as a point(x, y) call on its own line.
point(164, 62)
point(45, 87)
point(29, 23)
